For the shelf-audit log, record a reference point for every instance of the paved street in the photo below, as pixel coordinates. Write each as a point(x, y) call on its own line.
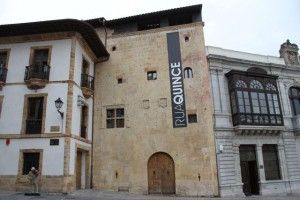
point(91, 195)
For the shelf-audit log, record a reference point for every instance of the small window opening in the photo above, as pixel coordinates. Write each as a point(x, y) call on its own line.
point(115, 118)
point(192, 118)
point(146, 25)
point(120, 80)
point(186, 38)
point(113, 48)
point(151, 75)
point(188, 72)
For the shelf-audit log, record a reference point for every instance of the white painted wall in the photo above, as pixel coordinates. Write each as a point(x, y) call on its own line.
point(13, 104)
point(73, 143)
point(12, 108)
point(79, 53)
point(53, 156)
point(76, 114)
point(19, 59)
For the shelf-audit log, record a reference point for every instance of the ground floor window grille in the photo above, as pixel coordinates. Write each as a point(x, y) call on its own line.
point(271, 163)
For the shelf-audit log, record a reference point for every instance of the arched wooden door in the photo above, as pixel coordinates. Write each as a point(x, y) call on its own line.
point(161, 174)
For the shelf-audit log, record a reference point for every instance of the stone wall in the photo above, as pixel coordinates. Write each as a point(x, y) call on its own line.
point(148, 114)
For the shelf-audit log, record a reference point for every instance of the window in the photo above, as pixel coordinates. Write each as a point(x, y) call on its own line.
point(151, 75)
point(85, 66)
point(3, 58)
point(271, 164)
point(38, 67)
point(254, 98)
point(115, 118)
point(87, 81)
point(30, 160)
point(34, 115)
point(120, 80)
point(294, 94)
point(188, 72)
point(150, 24)
point(192, 118)
point(40, 57)
point(3, 65)
point(1, 103)
point(84, 121)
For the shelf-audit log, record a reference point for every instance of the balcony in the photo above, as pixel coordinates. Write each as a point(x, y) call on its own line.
point(3, 73)
point(87, 85)
point(37, 76)
point(260, 124)
point(33, 126)
point(257, 119)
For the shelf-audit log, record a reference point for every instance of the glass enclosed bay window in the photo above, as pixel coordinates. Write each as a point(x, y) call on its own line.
point(254, 98)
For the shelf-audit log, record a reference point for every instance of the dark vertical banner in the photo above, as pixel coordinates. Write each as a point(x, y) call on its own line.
point(176, 81)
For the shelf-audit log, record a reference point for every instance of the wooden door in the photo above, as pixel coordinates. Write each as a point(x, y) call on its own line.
point(161, 174)
point(78, 169)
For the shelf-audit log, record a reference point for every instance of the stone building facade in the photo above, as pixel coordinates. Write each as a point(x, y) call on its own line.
point(256, 120)
point(139, 142)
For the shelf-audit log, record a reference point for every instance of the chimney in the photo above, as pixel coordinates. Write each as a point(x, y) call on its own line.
point(289, 52)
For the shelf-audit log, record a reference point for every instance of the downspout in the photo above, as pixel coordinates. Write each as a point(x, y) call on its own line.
point(92, 145)
point(103, 21)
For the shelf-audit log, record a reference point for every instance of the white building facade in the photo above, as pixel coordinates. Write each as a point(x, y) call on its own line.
point(40, 69)
point(256, 120)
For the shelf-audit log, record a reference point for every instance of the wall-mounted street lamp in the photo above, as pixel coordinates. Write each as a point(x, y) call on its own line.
point(80, 101)
point(58, 105)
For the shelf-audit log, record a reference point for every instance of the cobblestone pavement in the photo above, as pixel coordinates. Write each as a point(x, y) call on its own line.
point(100, 195)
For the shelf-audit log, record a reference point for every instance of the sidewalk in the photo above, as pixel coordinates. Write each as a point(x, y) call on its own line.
point(96, 194)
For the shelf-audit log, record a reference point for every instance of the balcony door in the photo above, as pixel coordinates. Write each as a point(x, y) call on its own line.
point(40, 57)
point(34, 115)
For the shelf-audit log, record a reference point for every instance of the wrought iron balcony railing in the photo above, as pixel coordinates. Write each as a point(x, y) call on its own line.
point(257, 119)
point(87, 81)
point(37, 72)
point(33, 126)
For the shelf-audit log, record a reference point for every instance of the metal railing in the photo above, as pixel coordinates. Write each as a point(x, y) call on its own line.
point(33, 126)
point(87, 81)
point(37, 72)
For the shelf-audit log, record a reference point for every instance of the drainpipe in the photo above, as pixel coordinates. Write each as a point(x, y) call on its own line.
point(103, 22)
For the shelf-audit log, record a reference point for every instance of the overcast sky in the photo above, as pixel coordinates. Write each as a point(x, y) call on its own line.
point(256, 26)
